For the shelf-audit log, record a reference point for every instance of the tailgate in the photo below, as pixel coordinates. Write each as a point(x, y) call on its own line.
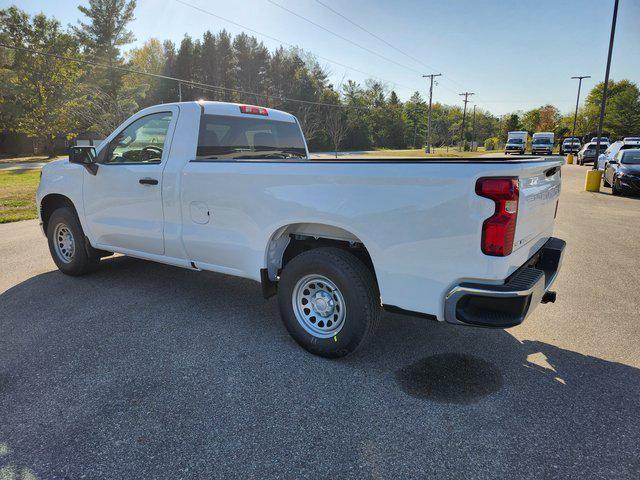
point(539, 193)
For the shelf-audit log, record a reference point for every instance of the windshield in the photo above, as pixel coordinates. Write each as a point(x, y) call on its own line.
point(542, 141)
point(631, 157)
point(515, 140)
point(225, 137)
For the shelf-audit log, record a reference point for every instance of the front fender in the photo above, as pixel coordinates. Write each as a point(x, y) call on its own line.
point(66, 179)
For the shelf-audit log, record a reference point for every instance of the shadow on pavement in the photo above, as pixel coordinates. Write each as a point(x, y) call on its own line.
point(157, 372)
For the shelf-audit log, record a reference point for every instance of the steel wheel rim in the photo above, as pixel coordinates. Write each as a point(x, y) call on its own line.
point(64, 243)
point(319, 306)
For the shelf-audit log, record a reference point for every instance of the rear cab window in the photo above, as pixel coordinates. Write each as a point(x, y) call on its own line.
point(227, 137)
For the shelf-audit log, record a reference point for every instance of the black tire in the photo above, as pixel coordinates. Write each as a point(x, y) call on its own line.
point(82, 258)
point(357, 287)
point(605, 182)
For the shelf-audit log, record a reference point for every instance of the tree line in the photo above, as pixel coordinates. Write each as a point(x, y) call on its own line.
point(47, 97)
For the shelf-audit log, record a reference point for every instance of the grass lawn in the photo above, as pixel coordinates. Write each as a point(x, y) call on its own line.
point(18, 195)
point(437, 152)
point(30, 159)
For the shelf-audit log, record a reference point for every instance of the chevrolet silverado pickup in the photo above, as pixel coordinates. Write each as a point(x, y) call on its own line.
point(231, 188)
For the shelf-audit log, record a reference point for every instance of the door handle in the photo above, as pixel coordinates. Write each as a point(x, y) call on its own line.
point(148, 181)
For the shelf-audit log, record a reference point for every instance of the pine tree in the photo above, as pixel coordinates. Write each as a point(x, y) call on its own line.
point(103, 36)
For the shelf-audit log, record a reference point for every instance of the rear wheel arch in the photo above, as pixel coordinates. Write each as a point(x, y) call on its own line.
point(291, 240)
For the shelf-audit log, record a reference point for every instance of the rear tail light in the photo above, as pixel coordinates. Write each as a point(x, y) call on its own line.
point(498, 231)
point(253, 110)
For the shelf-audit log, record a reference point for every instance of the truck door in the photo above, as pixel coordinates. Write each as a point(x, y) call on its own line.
point(123, 201)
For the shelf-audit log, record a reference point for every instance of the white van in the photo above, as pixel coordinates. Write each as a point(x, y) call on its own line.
point(516, 142)
point(542, 143)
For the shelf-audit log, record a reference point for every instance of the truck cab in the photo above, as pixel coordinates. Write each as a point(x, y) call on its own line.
point(516, 142)
point(542, 143)
point(570, 145)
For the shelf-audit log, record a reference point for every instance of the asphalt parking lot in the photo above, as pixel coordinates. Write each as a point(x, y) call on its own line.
point(149, 371)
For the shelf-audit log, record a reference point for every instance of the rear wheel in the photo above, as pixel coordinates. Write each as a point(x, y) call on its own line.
point(67, 244)
point(328, 301)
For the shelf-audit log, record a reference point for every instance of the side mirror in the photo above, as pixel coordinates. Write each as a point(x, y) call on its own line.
point(85, 156)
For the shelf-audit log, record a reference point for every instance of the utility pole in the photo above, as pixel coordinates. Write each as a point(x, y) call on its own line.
point(473, 135)
point(179, 91)
point(466, 96)
point(606, 82)
point(575, 115)
point(428, 147)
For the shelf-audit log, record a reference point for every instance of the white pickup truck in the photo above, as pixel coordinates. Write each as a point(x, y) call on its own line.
point(231, 188)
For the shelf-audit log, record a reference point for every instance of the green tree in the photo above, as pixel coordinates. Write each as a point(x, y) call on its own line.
point(415, 120)
point(103, 35)
point(622, 111)
point(149, 58)
point(531, 120)
point(509, 123)
point(39, 90)
point(185, 66)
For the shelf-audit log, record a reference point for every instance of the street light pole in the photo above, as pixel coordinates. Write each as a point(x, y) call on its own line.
point(428, 146)
point(606, 82)
point(575, 115)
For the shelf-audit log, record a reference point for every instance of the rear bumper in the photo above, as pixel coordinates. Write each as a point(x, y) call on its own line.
point(506, 305)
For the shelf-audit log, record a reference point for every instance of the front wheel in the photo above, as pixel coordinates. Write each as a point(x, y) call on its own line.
point(67, 244)
point(329, 301)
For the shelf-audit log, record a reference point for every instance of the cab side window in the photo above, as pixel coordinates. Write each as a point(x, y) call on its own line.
point(140, 142)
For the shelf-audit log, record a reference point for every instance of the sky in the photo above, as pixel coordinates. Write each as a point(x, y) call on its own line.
point(514, 55)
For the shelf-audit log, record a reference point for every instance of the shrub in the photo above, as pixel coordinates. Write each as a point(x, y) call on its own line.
point(492, 143)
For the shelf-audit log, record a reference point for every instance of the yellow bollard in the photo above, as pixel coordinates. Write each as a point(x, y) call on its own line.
point(569, 159)
point(592, 181)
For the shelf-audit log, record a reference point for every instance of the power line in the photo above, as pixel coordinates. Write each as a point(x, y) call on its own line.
point(377, 37)
point(342, 37)
point(374, 35)
point(290, 45)
point(199, 85)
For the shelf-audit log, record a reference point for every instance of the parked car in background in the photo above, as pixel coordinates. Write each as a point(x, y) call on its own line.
point(516, 142)
point(230, 188)
point(588, 153)
point(570, 145)
point(542, 143)
point(622, 173)
point(614, 148)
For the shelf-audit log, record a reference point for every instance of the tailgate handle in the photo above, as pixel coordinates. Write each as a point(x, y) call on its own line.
point(551, 171)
